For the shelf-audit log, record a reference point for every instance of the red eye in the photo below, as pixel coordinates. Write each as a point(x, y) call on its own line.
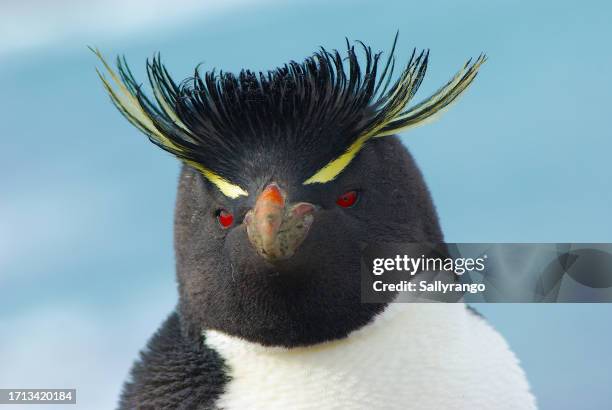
point(225, 218)
point(347, 199)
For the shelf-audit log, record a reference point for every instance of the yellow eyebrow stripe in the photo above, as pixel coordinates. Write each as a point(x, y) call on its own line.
point(228, 189)
point(330, 171)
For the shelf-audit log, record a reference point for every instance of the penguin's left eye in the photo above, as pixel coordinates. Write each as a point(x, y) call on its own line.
point(347, 199)
point(225, 218)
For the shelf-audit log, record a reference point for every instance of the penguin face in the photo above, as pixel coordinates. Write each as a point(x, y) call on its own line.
point(285, 181)
point(239, 275)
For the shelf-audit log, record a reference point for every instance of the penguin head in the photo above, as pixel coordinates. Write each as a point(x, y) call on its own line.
point(283, 267)
point(285, 180)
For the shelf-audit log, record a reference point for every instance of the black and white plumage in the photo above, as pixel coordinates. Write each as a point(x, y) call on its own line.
point(285, 180)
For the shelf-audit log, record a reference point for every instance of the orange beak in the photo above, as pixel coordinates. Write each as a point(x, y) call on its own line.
point(275, 229)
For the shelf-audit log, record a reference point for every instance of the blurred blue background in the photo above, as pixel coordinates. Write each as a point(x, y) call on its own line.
point(86, 203)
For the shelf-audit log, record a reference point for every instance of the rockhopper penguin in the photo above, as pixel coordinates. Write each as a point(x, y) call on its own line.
point(285, 175)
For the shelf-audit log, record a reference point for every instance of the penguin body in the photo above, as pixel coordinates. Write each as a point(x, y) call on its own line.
point(286, 178)
point(451, 360)
point(407, 355)
point(412, 356)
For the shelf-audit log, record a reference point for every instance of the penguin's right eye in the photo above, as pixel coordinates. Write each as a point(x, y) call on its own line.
point(225, 218)
point(348, 199)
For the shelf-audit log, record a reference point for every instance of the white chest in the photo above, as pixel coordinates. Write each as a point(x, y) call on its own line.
point(413, 356)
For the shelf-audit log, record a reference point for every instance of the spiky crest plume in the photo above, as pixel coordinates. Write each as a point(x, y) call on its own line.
point(223, 124)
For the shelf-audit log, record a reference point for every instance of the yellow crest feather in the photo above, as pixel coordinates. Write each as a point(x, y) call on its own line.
point(395, 118)
point(127, 103)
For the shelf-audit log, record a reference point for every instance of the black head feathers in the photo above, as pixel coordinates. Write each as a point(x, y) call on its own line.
point(315, 115)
